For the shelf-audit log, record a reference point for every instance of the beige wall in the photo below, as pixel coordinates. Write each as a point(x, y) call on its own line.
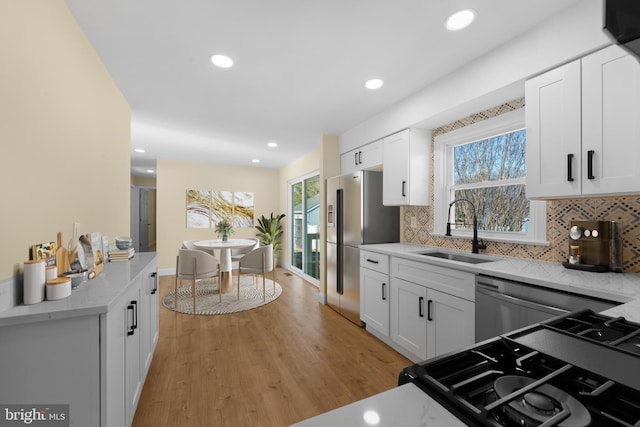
point(174, 178)
point(64, 133)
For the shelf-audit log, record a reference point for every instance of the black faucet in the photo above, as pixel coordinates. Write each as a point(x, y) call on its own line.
point(475, 246)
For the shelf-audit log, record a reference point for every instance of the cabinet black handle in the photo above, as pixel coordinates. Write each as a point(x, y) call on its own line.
point(359, 157)
point(383, 297)
point(135, 316)
point(131, 328)
point(372, 261)
point(420, 301)
point(590, 164)
point(356, 158)
point(429, 310)
point(569, 167)
point(404, 184)
point(155, 282)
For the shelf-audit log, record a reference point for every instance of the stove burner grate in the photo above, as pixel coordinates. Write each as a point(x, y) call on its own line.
point(528, 402)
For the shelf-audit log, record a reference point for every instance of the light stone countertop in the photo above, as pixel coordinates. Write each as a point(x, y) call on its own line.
point(95, 296)
point(405, 406)
point(617, 287)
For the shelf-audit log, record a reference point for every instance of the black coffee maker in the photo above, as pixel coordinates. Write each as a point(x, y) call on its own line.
point(595, 246)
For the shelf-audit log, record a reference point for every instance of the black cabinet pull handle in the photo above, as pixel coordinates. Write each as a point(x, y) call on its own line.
point(590, 164)
point(372, 261)
point(420, 301)
point(356, 158)
point(383, 297)
point(131, 328)
point(429, 310)
point(135, 316)
point(569, 167)
point(404, 184)
point(155, 282)
point(359, 157)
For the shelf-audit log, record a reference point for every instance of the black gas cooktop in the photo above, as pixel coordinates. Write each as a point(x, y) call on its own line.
point(580, 369)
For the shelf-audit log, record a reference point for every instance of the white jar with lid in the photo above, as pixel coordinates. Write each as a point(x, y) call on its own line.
point(58, 288)
point(51, 272)
point(34, 281)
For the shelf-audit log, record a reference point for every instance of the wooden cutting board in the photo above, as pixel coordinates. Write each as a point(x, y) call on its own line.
point(62, 257)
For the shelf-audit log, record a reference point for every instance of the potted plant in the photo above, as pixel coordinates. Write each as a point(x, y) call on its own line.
point(224, 228)
point(270, 232)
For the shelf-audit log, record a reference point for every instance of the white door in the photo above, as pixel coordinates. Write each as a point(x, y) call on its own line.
point(553, 120)
point(451, 323)
point(610, 122)
point(395, 180)
point(409, 316)
point(374, 287)
point(132, 365)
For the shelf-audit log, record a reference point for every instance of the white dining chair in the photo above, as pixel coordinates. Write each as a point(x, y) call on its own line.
point(238, 253)
point(189, 244)
point(258, 261)
point(195, 265)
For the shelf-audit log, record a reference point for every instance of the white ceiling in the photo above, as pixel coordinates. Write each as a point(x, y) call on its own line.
point(299, 70)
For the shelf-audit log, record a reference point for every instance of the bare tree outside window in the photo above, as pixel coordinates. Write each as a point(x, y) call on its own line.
point(490, 173)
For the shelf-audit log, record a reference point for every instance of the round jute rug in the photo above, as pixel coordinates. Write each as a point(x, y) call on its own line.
point(207, 296)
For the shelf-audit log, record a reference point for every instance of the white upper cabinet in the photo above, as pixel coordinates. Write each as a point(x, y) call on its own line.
point(552, 116)
point(407, 168)
point(610, 122)
point(365, 157)
point(583, 127)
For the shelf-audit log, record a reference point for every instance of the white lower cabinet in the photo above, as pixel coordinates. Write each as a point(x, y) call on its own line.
point(408, 314)
point(374, 292)
point(374, 300)
point(95, 363)
point(427, 322)
point(432, 309)
point(450, 323)
point(131, 333)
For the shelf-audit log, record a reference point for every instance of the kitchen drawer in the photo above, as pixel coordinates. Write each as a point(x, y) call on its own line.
point(448, 280)
point(374, 261)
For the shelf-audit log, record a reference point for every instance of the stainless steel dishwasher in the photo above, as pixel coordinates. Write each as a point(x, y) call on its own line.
point(504, 305)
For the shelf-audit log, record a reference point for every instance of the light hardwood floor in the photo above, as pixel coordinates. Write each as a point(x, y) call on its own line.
point(272, 366)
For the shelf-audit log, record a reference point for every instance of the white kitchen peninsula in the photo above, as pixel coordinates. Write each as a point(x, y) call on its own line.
point(90, 351)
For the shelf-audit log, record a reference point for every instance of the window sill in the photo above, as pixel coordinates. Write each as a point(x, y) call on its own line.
point(514, 240)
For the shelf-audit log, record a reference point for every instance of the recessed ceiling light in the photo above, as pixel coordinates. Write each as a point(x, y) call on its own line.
point(222, 61)
point(255, 161)
point(150, 171)
point(460, 20)
point(139, 150)
point(272, 144)
point(374, 84)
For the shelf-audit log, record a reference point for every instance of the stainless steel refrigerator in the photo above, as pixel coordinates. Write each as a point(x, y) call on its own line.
point(355, 216)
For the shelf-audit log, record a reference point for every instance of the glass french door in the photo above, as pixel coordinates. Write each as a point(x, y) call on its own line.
point(305, 225)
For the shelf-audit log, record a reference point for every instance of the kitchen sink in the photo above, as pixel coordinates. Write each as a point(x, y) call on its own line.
point(458, 257)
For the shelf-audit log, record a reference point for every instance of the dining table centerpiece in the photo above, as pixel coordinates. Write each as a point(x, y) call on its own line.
point(224, 228)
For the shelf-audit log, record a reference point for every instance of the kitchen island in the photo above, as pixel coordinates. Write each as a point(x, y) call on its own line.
point(623, 288)
point(91, 350)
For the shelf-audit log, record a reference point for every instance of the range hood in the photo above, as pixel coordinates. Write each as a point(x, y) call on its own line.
point(622, 24)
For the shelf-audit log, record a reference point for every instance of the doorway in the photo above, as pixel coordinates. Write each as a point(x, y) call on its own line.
point(143, 218)
point(305, 226)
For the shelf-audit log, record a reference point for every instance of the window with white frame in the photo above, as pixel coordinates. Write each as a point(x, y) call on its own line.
point(483, 168)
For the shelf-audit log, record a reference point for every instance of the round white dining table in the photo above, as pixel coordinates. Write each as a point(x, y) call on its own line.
point(226, 266)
